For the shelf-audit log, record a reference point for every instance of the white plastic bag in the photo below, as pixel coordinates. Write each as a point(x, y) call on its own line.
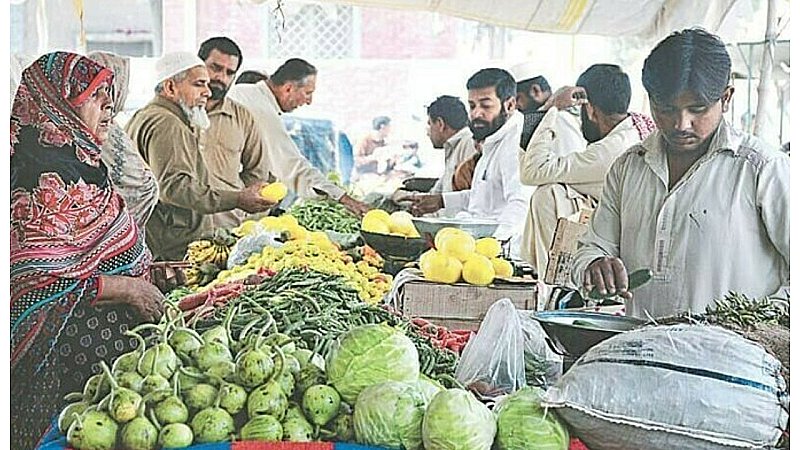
point(542, 366)
point(251, 244)
point(674, 387)
point(494, 361)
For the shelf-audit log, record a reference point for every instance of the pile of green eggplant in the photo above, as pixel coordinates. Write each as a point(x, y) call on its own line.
point(180, 388)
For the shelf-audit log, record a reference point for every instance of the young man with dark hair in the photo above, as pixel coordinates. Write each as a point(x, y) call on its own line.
point(496, 192)
point(703, 205)
point(448, 129)
point(568, 183)
point(233, 148)
point(291, 86)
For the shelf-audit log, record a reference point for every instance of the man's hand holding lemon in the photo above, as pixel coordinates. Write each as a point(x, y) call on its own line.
point(260, 197)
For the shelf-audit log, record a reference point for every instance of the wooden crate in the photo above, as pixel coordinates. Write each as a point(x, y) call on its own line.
point(462, 306)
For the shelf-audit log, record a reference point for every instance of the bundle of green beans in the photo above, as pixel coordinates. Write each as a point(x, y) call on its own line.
point(325, 215)
point(745, 312)
point(316, 309)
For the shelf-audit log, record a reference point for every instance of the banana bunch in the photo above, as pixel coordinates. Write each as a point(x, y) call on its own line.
point(201, 274)
point(214, 250)
point(205, 251)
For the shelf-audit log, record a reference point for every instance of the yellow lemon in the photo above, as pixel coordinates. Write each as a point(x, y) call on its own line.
point(374, 224)
point(488, 247)
point(443, 233)
point(400, 222)
point(425, 259)
point(443, 269)
point(274, 192)
point(502, 268)
point(379, 214)
point(458, 245)
point(478, 270)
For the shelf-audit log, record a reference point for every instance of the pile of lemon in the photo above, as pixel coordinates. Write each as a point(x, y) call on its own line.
point(397, 223)
point(310, 250)
point(459, 256)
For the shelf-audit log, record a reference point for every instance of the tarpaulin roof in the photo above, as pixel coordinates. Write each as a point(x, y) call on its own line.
point(647, 19)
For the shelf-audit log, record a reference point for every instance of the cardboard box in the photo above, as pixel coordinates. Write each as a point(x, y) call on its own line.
point(463, 306)
point(565, 242)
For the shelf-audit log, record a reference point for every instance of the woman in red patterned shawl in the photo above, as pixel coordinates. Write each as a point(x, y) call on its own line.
point(78, 262)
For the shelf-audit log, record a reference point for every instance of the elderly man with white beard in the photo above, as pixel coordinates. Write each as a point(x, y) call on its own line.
point(168, 133)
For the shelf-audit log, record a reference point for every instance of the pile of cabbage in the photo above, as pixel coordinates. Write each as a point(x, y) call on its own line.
point(376, 368)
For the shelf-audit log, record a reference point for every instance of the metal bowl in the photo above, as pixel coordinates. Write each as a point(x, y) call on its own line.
point(478, 228)
point(395, 248)
point(571, 339)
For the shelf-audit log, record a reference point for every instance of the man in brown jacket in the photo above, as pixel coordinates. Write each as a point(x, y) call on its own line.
point(167, 132)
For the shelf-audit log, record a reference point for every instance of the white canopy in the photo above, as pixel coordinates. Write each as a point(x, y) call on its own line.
point(646, 19)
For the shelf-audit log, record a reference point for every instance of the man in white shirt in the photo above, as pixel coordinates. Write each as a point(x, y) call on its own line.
point(706, 207)
point(567, 183)
point(290, 87)
point(448, 130)
point(496, 192)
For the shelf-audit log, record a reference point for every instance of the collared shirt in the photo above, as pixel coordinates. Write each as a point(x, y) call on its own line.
point(235, 154)
point(723, 227)
point(457, 149)
point(283, 158)
point(582, 168)
point(496, 192)
point(171, 146)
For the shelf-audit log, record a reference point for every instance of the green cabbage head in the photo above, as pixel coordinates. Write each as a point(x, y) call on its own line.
point(368, 355)
point(428, 387)
point(390, 415)
point(456, 420)
point(523, 424)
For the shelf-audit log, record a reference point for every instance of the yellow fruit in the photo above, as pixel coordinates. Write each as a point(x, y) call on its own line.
point(318, 237)
point(297, 232)
point(478, 270)
point(274, 192)
point(246, 228)
point(400, 222)
point(502, 268)
point(287, 221)
point(443, 269)
point(444, 232)
point(425, 258)
point(374, 224)
point(413, 234)
point(488, 247)
point(270, 223)
point(379, 214)
point(458, 245)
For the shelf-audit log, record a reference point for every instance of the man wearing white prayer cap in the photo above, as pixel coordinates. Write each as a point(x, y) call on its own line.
point(169, 132)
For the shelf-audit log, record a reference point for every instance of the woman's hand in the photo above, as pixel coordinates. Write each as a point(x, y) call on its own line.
point(137, 293)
